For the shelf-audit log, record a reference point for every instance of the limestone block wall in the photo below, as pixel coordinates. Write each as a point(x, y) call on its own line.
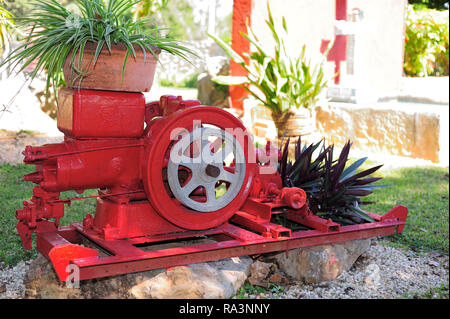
point(412, 130)
point(401, 129)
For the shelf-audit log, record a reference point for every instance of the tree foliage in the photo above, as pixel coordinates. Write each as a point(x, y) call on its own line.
point(427, 42)
point(432, 4)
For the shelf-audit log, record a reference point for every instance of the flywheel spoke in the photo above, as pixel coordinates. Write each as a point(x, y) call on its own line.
point(207, 168)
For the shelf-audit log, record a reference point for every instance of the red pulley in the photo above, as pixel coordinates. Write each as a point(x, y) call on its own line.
point(198, 167)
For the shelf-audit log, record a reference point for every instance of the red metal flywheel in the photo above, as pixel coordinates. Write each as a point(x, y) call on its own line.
point(160, 140)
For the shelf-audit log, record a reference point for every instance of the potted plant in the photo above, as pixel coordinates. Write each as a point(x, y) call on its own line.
point(98, 47)
point(287, 85)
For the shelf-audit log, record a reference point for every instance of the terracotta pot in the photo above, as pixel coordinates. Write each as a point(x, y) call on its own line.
point(300, 122)
point(107, 72)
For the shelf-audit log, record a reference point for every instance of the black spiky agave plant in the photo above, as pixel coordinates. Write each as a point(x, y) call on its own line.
point(334, 188)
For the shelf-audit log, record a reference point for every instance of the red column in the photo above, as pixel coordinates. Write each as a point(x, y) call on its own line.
point(242, 10)
point(338, 52)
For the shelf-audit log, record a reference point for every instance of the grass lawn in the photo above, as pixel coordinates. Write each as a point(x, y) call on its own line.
point(423, 190)
point(13, 191)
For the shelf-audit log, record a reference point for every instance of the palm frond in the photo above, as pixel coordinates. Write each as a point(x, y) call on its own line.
point(54, 29)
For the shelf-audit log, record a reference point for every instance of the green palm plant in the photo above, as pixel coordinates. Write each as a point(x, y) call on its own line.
point(280, 81)
point(6, 24)
point(56, 32)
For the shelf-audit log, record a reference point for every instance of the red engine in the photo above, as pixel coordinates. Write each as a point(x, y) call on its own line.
point(164, 170)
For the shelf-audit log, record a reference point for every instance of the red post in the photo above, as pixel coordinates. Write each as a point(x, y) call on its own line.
point(242, 10)
point(338, 52)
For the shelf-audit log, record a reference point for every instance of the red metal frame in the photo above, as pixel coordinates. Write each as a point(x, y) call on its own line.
point(135, 206)
point(127, 258)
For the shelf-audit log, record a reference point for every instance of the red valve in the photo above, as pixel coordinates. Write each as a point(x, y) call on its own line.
point(294, 197)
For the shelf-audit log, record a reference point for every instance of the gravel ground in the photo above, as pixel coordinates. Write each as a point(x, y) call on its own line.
point(11, 281)
point(383, 272)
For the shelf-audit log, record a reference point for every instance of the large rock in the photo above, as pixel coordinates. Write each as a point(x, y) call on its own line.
point(258, 272)
point(210, 93)
point(321, 263)
point(219, 279)
point(212, 280)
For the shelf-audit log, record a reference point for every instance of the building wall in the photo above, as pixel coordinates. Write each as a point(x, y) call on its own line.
point(379, 46)
point(373, 71)
point(377, 52)
point(308, 21)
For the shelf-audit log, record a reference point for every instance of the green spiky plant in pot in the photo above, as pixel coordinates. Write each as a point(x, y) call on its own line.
point(334, 187)
point(99, 46)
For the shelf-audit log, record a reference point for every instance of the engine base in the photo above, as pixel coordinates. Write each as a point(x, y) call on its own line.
point(191, 173)
point(244, 234)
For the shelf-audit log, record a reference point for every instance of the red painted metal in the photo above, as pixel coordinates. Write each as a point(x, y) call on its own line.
point(241, 17)
point(127, 258)
point(119, 114)
point(137, 214)
point(338, 53)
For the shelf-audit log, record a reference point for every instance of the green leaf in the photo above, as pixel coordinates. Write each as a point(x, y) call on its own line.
point(101, 22)
point(349, 171)
point(98, 50)
point(362, 214)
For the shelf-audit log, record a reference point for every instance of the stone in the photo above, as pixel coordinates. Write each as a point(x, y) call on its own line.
point(258, 273)
point(373, 278)
point(212, 280)
point(321, 263)
point(416, 131)
point(218, 279)
point(277, 278)
point(209, 93)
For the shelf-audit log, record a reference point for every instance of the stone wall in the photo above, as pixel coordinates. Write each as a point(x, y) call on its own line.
point(413, 130)
point(399, 129)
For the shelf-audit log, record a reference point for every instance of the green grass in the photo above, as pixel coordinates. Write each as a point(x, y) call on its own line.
point(188, 83)
point(432, 293)
point(423, 190)
point(253, 289)
point(13, 191)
